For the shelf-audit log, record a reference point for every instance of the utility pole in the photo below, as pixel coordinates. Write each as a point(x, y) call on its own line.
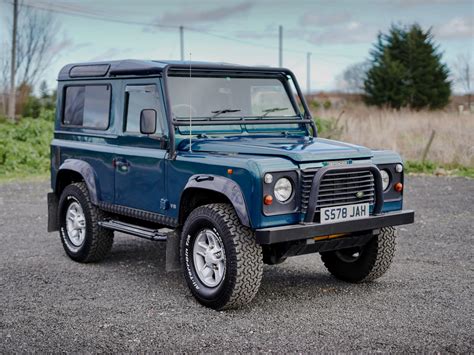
point(181, 39)
point(280, 46)
point(12, 98)
point(308, 73)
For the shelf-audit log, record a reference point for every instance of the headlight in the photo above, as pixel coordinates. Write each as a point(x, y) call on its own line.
point(385, 179)
point(283, 189)
point(399, 168)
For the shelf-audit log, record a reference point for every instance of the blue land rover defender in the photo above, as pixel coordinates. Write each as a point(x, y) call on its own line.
point(224, 164)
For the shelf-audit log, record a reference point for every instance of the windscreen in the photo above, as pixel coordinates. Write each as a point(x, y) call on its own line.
point(228, 97)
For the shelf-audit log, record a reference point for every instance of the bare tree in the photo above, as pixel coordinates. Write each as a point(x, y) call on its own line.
point(464, 75)
point(36, 46)
point(4, 78)
point(36, 42)
point(352, 78)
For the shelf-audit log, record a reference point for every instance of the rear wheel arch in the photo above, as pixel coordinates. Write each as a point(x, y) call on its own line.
point(75, 170)
point(66, 177)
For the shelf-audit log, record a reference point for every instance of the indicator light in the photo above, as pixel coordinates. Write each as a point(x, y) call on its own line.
point(267, 200)
point(398, 187)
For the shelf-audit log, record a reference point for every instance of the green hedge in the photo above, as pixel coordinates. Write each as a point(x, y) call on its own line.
point(24, 145)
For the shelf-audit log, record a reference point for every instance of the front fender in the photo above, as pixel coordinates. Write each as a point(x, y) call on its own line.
point(86, 171)
point(225, 186)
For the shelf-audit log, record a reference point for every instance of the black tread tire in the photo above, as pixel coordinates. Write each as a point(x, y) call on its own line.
point(244, 265)
point(98, 241)
point(375, 259)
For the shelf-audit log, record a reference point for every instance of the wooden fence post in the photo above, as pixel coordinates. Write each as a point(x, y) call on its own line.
point(428, 146)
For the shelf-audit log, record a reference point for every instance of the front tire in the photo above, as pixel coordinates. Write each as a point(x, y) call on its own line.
point(365, 263)
point(82, 237)
point(221, 261)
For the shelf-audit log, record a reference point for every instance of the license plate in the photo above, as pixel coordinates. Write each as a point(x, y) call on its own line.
point(344, 213)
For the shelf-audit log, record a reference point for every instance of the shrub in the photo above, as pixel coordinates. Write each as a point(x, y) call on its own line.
point(24, 145)
point(328, 128)
point(327, 104)
point(314, 105)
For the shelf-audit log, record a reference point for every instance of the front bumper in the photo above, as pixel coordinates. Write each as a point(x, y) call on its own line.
point(301, 231)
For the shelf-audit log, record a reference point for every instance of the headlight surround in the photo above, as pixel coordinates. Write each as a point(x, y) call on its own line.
point(385, 179)
point(283, 189)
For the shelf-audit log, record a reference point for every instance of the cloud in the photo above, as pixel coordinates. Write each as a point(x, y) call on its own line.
point(64, 44)
point(348, 33)
point(458, 27)
point(111, 53)
point(194, 16)
point(314, 19)
point(269, 32)
point(334, 28)
point(411, 3)
point(246, 34)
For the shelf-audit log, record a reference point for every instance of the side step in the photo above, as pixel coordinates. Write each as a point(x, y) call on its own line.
point(171, 237)
point(138, 231)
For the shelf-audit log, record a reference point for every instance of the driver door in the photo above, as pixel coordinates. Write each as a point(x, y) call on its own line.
point(140, 158)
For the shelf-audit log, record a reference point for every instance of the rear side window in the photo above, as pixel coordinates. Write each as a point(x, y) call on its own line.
point(87, 106)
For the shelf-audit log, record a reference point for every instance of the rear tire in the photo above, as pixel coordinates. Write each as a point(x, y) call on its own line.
point(221, 261)
point(82, 237)
point(365, 263)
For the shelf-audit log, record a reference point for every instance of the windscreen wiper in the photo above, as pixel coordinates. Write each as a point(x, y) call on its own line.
point(273, 109)
point(220, 112)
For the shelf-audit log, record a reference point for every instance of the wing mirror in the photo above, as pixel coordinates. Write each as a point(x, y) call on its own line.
point(148, 121)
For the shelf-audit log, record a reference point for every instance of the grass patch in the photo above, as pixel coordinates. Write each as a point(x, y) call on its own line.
point(20, 177)
point(433, 168)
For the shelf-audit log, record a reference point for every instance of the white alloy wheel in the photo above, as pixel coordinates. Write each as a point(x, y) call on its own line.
point(209, 258)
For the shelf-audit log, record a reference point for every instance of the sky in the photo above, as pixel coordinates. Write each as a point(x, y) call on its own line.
point(337, 33)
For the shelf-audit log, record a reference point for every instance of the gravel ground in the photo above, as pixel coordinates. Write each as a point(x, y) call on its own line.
point(129, 303)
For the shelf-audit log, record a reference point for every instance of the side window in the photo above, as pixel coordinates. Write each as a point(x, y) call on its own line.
point(139, 98)
point(87, 106)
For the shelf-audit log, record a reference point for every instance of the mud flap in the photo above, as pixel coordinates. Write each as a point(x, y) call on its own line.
point(53, 223)
point(172, 251)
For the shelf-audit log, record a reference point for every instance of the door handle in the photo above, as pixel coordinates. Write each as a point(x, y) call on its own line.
point(121, 164)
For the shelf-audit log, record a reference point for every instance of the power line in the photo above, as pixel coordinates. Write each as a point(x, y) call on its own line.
point(97, 17)
point(92, 16)
point(263, 46)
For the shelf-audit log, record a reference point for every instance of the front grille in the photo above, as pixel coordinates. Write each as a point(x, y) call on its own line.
point(338, 188)
point(307, 176)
